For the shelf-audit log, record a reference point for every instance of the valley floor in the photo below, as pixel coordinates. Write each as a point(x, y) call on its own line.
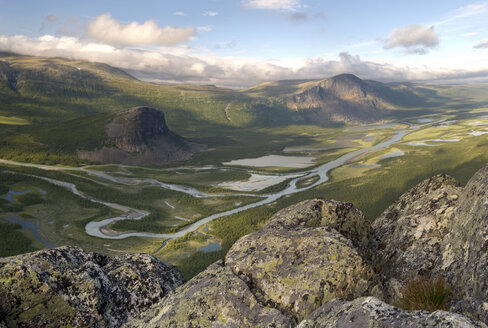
point(197, 212)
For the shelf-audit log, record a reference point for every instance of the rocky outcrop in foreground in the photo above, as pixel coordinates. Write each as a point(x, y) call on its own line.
point(410, 232)
point(318, 263)
point(66, 287)
point(299, 262)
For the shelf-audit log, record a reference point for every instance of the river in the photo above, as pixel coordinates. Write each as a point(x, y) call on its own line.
point(96, 228)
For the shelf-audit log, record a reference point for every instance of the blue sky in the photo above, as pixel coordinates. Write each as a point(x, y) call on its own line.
point(243, 42)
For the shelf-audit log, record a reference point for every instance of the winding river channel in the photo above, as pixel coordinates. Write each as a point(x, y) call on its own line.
point(97, 228)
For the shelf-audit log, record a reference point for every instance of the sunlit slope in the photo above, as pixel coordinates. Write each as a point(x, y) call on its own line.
point(61, 88)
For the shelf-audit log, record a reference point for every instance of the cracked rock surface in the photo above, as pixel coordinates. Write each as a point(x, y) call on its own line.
point(370, 312)
point(66, 286)
point(298, 265)
point(214, 298)
point(410, 232)
point(464, 259)
point(412, 229)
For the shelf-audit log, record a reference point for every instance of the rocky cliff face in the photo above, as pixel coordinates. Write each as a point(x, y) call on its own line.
point(132, 129)
point(318, 263)
point(370, 312)
point(465, 249)
point(140, 136)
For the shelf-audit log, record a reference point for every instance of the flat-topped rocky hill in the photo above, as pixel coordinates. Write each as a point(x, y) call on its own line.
point(318, 263)
point(140, 135)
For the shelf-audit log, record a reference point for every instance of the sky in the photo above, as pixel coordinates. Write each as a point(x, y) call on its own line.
point(239, 43)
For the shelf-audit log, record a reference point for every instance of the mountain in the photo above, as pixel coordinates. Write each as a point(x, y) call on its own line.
point(318, 263)
point(343, 98)
point(45, 78)
point(76, 88)
point(65, 106)
point(139, 135)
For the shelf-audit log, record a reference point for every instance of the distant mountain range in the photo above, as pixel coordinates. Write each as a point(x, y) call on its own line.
point(70, 103)
point(340, 99)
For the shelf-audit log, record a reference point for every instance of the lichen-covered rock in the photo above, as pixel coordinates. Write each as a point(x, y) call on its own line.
point(464, 258)
point(343, 217)
point(370, 312)
point(471, 308)
point(410, 232)
point(66, 286)
point(297, 265)
point(214, 298)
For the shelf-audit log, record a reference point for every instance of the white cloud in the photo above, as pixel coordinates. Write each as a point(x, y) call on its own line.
point(473, 8)
point(108, 30)
point(206, 28)
point(179, 13)
point(414, 38)
point(463, 13)
point(481, 45)
point(470, 34)
point(210, 13)
point(181, 64)
point(273, 4)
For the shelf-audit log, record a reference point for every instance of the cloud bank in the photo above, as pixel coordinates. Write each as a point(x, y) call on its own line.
point(106, 29)
point(481, 45)
point(416, 39)
point(183, 65)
